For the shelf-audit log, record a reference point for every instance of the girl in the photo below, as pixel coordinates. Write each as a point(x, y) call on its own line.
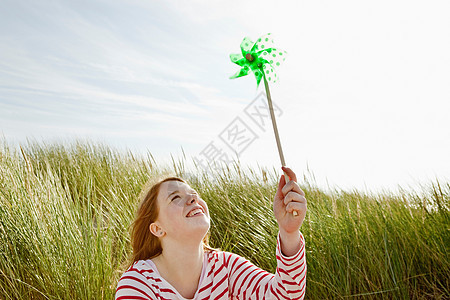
point(172, 259)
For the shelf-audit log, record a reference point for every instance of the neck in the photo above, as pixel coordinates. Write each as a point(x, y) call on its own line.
point(181, 265)
point(180, 255)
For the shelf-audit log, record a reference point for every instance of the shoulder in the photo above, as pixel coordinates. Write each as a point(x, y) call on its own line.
point(138, 280)
point(140, 268)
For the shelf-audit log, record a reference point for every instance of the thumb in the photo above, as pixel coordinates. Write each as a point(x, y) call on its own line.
point(281, 184)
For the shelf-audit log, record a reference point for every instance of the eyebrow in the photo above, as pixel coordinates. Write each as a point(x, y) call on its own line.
point(177, 191)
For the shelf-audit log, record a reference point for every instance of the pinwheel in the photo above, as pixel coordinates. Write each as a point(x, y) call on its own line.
point(260, 58)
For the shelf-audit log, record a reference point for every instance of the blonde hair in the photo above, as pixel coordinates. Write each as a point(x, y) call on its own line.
point(146, 245)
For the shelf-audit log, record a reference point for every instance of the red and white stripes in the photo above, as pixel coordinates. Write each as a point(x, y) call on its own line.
point(224, 276)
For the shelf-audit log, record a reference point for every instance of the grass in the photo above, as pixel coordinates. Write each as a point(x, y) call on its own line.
point(65, 212)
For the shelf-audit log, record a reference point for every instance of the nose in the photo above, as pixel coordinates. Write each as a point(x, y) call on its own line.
point(193, 199)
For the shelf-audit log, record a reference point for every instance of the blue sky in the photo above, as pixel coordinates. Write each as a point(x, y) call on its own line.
point(364, 92)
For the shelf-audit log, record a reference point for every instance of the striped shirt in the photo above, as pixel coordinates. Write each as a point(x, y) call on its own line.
point(224, 276)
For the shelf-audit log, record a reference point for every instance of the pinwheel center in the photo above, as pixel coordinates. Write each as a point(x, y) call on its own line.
point(249, 57)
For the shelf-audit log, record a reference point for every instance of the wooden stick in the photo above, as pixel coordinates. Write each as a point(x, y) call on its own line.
point(275, 130)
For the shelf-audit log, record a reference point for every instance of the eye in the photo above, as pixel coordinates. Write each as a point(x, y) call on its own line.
point(175, 198)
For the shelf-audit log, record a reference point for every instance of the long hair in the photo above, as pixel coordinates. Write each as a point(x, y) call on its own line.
point(146, 245)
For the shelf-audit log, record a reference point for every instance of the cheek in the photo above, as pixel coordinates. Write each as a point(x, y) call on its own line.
point(166, 216)
point(173, 210)
point(204, 205)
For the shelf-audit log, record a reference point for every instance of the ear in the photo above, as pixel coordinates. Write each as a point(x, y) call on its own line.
point(156, 230)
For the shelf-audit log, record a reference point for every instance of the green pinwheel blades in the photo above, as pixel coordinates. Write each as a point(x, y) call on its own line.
point(246, 46)
point(259, 75)
point(235, 57)
point(238, 59)
point(260, 57)
point(242, 72)
point(273, 56)
point(274, 59)
point(263, 43)
point(269, 72)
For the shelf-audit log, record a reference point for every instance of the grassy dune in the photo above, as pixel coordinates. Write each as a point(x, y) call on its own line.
point(65, 213)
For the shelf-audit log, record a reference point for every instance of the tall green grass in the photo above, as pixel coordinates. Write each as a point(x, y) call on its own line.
point(65, 213)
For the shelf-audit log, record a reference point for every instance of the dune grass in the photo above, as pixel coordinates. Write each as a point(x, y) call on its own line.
point(65, 212)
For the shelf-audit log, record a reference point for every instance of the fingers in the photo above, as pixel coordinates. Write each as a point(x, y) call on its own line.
point(294, 197)
point(292, 186)
point(290, 173)
point(291, 190)
point(289, 199)
point(295, 207)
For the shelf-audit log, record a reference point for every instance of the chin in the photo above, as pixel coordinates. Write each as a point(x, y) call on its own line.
point(195, 235)
point(204, 225)
point(202, 228)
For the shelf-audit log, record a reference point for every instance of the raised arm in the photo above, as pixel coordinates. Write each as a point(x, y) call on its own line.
point(289, 280)
point(289, 198)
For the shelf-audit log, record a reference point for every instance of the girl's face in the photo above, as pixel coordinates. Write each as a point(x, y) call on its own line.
point(182, 213)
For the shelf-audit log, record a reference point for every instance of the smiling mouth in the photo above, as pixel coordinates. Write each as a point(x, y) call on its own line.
point(195, 212)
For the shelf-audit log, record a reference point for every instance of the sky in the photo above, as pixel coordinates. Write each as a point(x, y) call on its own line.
point(362, 101)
